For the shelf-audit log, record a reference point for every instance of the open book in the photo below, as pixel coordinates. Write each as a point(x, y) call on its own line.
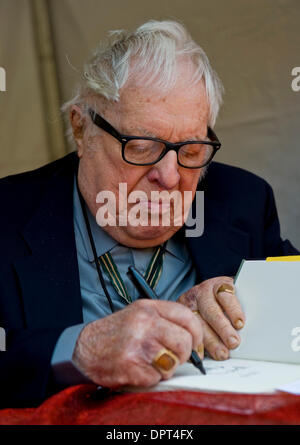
point(269, 355)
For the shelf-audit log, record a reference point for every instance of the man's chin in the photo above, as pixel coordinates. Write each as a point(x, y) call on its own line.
point(141, 236)
point(149, 232)
point(151, 236)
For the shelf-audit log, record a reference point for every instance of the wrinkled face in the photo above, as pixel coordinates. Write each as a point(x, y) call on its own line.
point(178, 116)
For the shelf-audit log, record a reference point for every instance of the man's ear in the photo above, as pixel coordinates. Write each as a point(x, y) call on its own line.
point(77, 122)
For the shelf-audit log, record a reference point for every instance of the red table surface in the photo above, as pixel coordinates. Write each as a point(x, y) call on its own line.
point(77, 406)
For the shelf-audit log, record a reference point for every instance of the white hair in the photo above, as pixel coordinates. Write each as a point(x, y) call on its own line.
point(150, 56)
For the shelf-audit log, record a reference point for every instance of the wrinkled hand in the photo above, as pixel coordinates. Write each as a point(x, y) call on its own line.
point(119, 349)
point(219, 313)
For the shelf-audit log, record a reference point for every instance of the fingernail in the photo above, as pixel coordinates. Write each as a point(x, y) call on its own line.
point(226, 288)
point(233, 342)
point(239, 324)
point(221, 354)
point(200, 351)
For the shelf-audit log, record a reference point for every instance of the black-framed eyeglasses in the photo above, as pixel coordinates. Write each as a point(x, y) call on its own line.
point(138, 150)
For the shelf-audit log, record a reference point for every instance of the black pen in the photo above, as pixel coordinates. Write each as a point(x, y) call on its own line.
point(147, 292)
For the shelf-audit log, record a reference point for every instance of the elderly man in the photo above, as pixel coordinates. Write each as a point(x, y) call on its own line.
point(143, 117)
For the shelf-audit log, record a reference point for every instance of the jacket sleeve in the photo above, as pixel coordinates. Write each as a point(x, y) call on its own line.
point(25, 367)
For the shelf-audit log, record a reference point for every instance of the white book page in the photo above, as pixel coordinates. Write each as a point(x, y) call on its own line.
point(270, 297)
point(292, 388)
point(233, 375)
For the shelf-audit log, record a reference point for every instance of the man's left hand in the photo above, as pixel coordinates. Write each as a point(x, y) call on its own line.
point(213, 301)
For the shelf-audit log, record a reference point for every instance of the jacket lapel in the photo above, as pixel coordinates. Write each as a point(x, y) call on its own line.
point(222, 246)
point(49, 277)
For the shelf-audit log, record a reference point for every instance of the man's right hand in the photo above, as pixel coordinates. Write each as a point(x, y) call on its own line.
point(119, 349)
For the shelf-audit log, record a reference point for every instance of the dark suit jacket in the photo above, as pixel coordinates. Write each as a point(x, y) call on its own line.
point(39, 278)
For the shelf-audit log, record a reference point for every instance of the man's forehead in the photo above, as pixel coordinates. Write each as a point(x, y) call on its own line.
point(179, 105)
point(132, 97)
point(149, 112)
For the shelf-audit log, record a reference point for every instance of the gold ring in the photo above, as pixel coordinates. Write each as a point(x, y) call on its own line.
point(165, 360)
point(196, 312)
point(225, 288)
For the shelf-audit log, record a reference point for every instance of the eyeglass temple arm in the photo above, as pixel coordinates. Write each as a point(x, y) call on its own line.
point(212, 135)
point(102, 123)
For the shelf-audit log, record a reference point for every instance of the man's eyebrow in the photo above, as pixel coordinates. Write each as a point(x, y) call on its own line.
point(146, 132)
point(139, 131)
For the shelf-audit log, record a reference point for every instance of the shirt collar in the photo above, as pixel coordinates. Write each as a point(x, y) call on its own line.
point(175, 246)
point(104, 242)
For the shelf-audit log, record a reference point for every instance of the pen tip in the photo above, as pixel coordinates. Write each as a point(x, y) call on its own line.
point(201, 368)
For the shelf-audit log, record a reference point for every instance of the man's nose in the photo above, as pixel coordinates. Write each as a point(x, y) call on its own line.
point(165, 172)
